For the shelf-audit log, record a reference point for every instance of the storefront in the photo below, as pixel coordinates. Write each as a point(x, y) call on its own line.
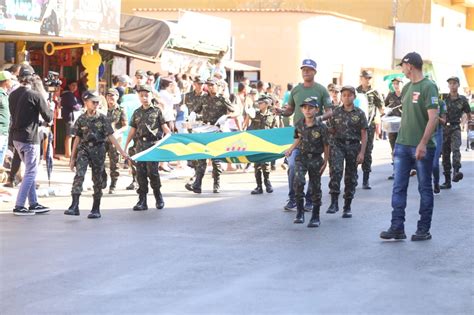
point(60, 37)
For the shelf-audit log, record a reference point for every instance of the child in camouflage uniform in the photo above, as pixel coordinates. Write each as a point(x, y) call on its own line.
point(311, 138)
point(348, 125)
point(264, 119)
point(92, 130)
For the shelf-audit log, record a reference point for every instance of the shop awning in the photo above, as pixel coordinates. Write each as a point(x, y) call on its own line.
point(121, 52)
point(143, 37)
point(238, 66)
point(443, 71)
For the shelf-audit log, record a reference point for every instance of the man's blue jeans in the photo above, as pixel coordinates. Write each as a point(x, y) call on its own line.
point(29, 154)
point(439, 147)
point(404, 161)
point(291, 178)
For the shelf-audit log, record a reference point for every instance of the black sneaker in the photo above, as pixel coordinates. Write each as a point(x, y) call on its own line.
point(393, 234)
point(421, 235)
point(290, 206)
point(22, 211)
point(436, 189)
point(38, 209)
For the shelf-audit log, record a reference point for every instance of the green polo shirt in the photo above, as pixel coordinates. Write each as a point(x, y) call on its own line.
point(4, 112)
point(300, 93)
point(417, 99)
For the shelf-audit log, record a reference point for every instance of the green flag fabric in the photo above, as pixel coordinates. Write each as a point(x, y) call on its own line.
point(254, 146)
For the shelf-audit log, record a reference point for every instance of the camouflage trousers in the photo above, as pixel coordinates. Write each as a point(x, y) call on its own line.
point(367, 164)
point(201, 166)
point(308, 163)
point(113, 161)
point(132, 152)
point(95, 157)
point(147, 171)
point(259, 169)
point(451, 144)
point(341, 153)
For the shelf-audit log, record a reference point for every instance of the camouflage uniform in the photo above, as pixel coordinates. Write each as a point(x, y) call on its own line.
point(264, 120)
point(211, 108)
point(374, 101)
point(93, 132)
point(192, 100)
point(309, 160)
point(391, 101)
point(348, 126)
point(117, 119)
point(452, 132)
point(147, 123)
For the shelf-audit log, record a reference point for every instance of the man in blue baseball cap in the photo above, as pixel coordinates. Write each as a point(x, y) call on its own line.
point(309, 88)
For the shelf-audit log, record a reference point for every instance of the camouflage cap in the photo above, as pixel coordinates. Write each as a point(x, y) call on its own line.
point(453, 79)
point(311, 101)
point(144, 88)
point(112, 91)
point(264, 99)
point(348, 88)
point(91, 95)
point(253, 91)
point(140, 72)
point(366, 74)
point(211, 81)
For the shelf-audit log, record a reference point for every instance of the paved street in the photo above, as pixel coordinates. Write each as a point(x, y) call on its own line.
point(234, 253)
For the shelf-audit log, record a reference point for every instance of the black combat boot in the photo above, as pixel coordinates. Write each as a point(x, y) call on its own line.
point(299, 212)
point(334, 206)
point(95, 212)
point(365, 181)
point(258, 178)
point(346, 213)
point(74, 208)
point(447, 181)
point(268, 184)
point(196, 186)
point(392, 233)
point(314, 221)
point(132, 185)
point(457, 175)
point(160, 204)
point(141, 204)
point(113, 184)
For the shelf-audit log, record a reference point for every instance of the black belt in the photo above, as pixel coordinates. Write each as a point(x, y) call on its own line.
point(93, 143)
point(350, 141)
point(147, 139)
point(310, 155)
point(453, 123)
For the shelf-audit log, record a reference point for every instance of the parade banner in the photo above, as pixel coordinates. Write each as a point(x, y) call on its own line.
point(254, 146)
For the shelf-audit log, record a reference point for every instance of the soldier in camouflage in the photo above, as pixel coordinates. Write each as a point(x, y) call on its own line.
point(375, 102)
point(147, 126)
point(456, 105)
point(348, 125)
point(118, 120)
point(211, 108)
point(92, 130)
point(311, 138)
point(263, 119)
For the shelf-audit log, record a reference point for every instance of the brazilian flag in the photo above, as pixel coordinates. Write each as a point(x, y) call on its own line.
point(253, 146)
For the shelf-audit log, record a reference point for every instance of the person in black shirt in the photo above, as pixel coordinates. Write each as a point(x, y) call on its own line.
point(25, 107)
